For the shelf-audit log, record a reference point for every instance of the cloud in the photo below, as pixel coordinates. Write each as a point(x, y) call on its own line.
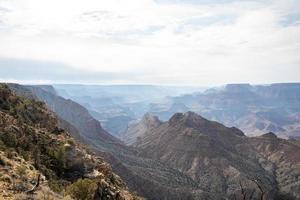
point(31, 71)
point(163, 41)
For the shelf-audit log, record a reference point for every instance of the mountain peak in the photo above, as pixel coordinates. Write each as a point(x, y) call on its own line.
point(189, 118)
point(150, 120)
point(270, 135)
point(195, 121)
point(191, 114)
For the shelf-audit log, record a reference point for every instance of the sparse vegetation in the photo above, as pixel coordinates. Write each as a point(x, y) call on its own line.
point(21, 170)
point(30, 140)
point(82, 189)
point(6, 178)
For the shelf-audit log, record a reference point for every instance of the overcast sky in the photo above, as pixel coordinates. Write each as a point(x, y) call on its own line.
point(175, 42)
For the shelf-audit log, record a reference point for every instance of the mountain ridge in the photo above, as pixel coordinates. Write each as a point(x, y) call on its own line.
point(187, 143)
point(38, 160)
point(190, 157)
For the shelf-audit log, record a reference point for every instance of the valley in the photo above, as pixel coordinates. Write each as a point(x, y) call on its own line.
point(184, 157)
point(150, 100)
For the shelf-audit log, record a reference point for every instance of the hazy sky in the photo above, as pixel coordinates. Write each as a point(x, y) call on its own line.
point(191, 42)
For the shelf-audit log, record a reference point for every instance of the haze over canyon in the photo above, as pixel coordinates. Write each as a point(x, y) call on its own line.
point(150, 100)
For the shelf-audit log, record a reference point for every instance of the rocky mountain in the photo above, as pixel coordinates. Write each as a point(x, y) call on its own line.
point(117, 105)
point(137, 129)
point(189, 158)
point(38, 160)
point(255, 109)
point(223, 161)
point(149, 178)
point(77, 116)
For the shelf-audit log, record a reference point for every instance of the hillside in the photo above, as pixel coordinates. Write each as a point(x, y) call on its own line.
point(219, 159)
point(150, 178)
point(190, 157)
point(88, 128)
point(35, 152)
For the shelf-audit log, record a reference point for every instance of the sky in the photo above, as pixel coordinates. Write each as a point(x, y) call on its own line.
point(163, 42)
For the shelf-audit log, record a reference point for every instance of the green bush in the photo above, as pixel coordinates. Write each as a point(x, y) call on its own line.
point(82, 189)
point(8, 138)
point(55, 186)
point(21, 170)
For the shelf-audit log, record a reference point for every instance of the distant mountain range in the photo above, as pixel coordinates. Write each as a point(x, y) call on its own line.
point(117, 105)
point(187, 156)
point(255, 109)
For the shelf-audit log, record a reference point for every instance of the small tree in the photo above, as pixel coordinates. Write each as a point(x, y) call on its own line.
point(21, 170)
point(82, 189)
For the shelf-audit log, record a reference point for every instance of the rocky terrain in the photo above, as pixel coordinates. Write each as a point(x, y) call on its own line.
point(223, 160)
point(73, 115)
point(39, 160)
point(149, 178)
point(188, 156)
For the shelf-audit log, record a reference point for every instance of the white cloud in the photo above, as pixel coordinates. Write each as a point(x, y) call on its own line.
point(241, 41)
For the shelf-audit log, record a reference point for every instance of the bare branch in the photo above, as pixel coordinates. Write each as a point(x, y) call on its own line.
point(242, 190)
point(260, 188)
point(32, 190)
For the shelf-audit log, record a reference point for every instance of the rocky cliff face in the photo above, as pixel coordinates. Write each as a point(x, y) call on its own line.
point(39, 160)
point(221, 159)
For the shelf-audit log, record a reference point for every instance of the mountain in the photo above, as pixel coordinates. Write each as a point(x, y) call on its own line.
point(69, 111)
point(255, 109)
point(117, 105)
point(221, 160)
point(138, 128)
point(189, 157)
point(38, 160)
point(149, 178)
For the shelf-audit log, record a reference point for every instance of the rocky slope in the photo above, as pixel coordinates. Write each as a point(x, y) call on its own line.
point(189, 157)
point(284, 158)
point(38, 160)
point(221, 159)
point(74, 114)
point(148, 177)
